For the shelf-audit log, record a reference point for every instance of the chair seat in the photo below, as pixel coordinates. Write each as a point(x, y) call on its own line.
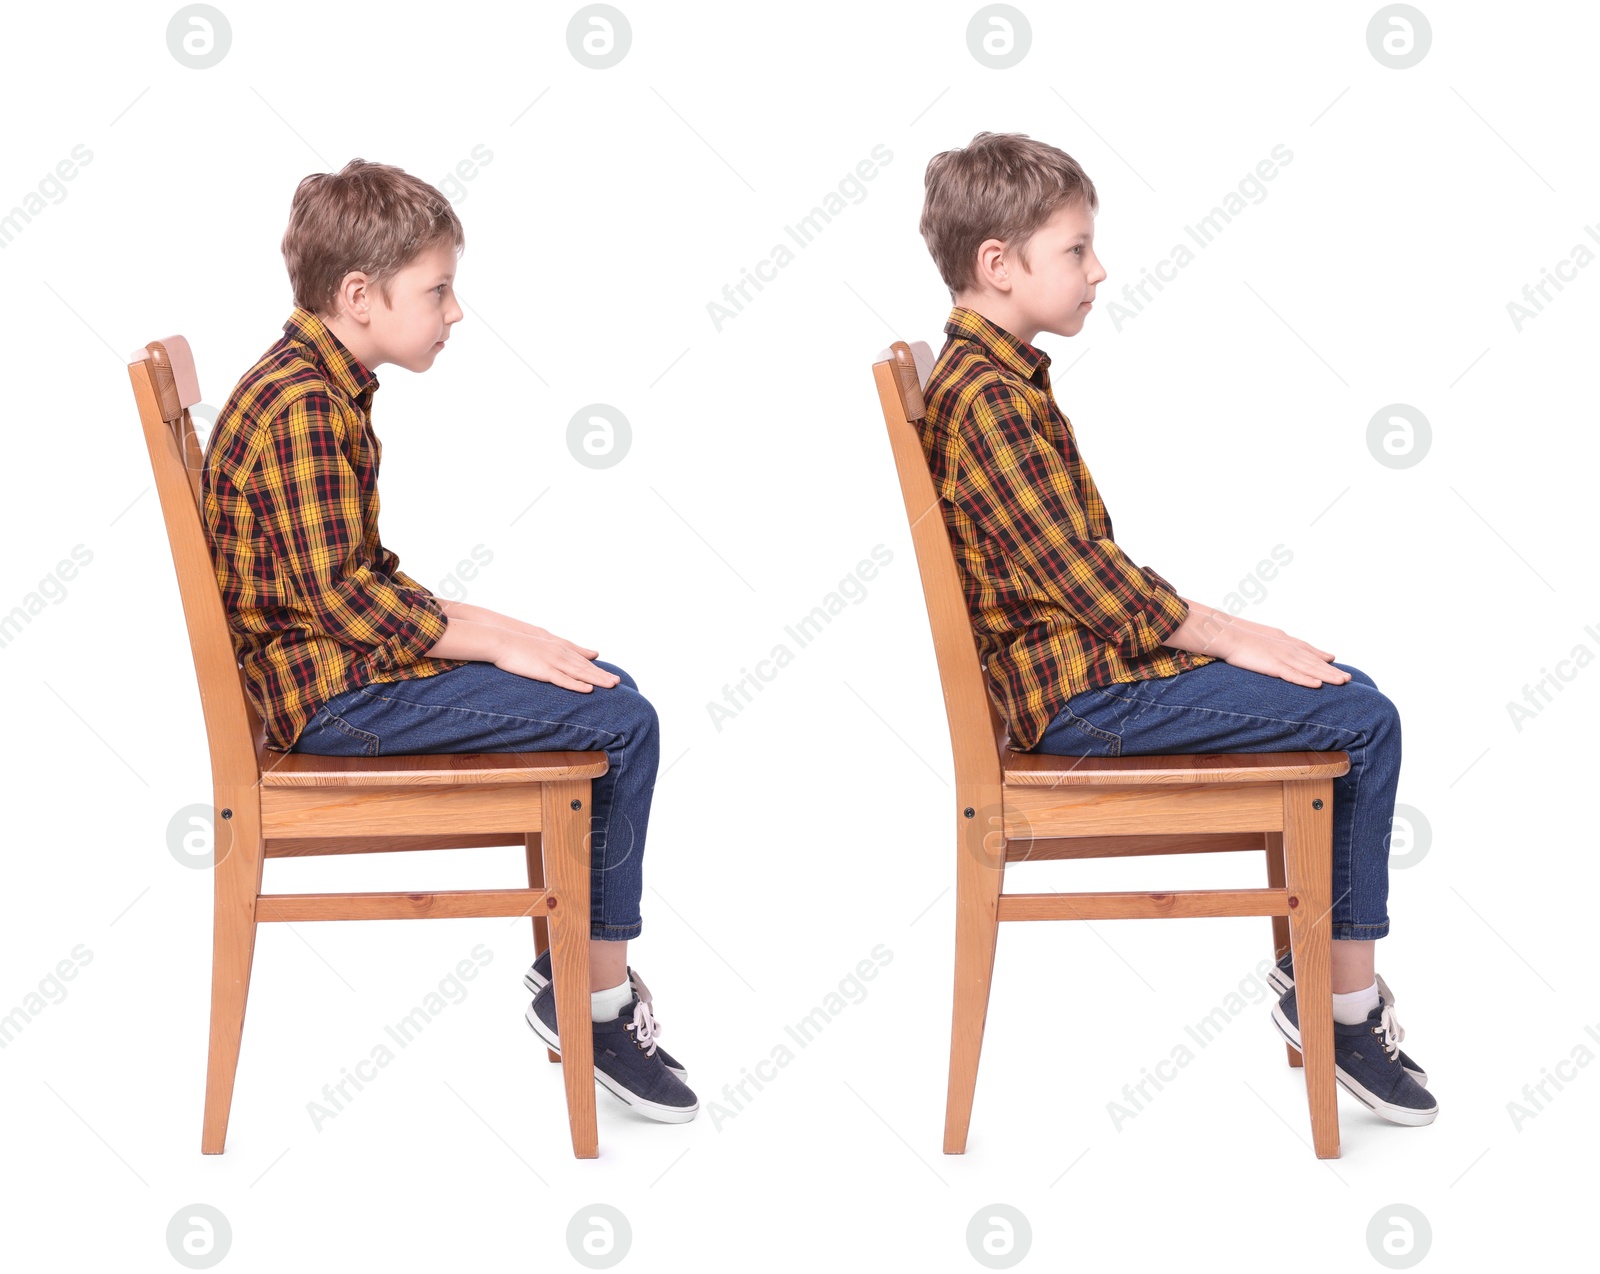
point(1037, 769)
point(443, 769)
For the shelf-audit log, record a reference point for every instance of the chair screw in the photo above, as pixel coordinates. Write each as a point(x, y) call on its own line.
point(1293, 901)
point(550, 901)
point(1317, 804)
point(577, 804)
point(968, 812)
point(227, 813)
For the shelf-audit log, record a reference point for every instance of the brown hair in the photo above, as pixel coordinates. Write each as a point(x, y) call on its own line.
point(375, 218)
point(1002, 186)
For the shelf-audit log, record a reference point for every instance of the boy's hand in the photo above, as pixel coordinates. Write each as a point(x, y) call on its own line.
point(1265, 631)
point(535, 631)
point(1244, 644)
point(1273, 652)
point(483, 615)
point(543, 657)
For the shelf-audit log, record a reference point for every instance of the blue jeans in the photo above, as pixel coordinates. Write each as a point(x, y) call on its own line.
point(481, 708)
point(1220, 708)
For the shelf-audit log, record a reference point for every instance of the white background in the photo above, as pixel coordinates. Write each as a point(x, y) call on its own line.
point(1229, 417)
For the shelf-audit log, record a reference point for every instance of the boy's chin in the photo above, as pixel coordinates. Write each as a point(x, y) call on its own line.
point(1071, 325)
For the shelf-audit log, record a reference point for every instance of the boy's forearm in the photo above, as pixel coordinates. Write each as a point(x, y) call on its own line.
point(1205, 630)
point(467, 639)
point(483, 615)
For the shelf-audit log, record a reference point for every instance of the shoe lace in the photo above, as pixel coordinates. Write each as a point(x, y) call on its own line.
point(640, 989)
point(1388, 1024)
point(646, 1030)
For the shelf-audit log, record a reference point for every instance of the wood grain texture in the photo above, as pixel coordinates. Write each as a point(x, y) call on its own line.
point(289, 812)
point(1144, 905)
point(311, 846)
point(1045, 849)
point(1308, 880)
point(443, 904)
point(565, 843)
point(1081, 811)
point(1034, 769)
point(443, 769)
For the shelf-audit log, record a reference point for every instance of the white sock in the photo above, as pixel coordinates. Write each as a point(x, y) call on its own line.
point(605, 1005)
point(1352, 1007)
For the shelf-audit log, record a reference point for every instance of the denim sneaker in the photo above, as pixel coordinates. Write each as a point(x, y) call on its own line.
point(538, 976)
point(1282, 979)
point(627, 1061)
point(1366, 1061)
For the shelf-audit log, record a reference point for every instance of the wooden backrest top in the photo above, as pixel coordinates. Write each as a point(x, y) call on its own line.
point(165, 386)
point(977, 731)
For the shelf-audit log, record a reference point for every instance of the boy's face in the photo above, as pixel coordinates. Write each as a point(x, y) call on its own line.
point(1052, 292)
point(412, 329)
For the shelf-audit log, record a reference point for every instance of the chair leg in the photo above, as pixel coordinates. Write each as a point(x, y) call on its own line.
point(566, 843)
point(980, 872)
point(1308, 868)
point(236, 882)
point(1280, 924)
point(541, 926)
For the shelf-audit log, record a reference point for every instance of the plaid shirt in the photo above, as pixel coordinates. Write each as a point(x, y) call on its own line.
point(1056, 606)
point(315, 603)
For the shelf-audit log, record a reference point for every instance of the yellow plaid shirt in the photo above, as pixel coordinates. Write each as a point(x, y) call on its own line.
point(1056, 606)
point(316, 604)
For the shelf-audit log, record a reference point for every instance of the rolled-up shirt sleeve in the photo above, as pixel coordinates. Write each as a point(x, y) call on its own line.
point(1017, 488)
point(306, 499)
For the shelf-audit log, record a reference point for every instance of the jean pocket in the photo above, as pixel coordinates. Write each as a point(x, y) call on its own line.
point(363, 742)
point(1111, 742)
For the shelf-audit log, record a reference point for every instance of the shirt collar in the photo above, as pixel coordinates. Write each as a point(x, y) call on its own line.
point(1011, 353)
point(341, 368)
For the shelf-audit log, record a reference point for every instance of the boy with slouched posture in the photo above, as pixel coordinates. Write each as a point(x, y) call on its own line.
point(1088, 654)
point(344, 653)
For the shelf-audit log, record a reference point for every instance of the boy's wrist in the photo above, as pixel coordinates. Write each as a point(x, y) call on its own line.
point(1205, 630)
point(499, 640)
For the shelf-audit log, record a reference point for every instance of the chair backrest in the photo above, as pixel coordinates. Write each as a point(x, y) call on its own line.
point(977, 731)
point(165, 387)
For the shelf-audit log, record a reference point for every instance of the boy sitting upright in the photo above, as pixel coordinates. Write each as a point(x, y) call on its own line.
point(1088, 654)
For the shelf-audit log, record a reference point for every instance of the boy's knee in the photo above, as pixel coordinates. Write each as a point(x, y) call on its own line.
point(1385, 714)
point(641, 718)
point(645, 723)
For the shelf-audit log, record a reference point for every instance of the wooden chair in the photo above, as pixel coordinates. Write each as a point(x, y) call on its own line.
point(273, 804)
point(1012, 806)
